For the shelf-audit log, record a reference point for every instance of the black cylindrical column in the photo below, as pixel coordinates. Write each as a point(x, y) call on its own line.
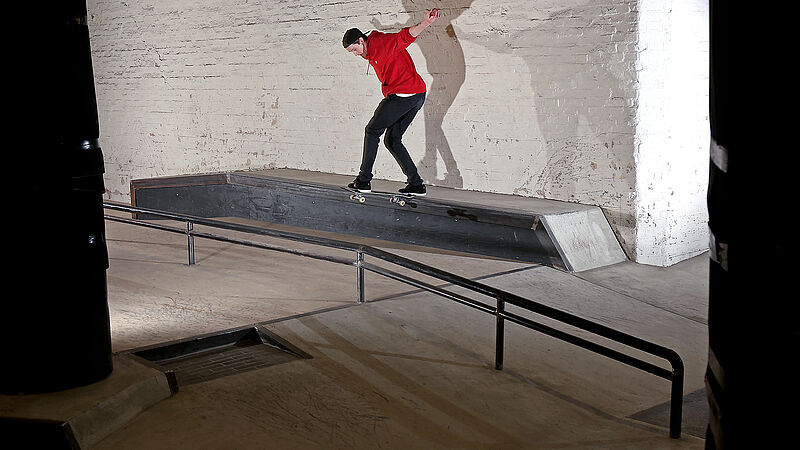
point(55, 321)
point(751, 382)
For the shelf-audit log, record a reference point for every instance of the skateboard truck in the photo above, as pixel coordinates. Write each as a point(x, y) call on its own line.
point(359, 197)
point(399, 200)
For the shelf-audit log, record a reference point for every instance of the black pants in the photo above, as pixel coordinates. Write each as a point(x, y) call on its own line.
point(393, 116)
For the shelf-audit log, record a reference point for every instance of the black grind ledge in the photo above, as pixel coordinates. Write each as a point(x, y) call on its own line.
point(563, 235)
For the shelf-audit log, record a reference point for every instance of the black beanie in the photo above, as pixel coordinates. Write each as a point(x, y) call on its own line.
point(351, 36)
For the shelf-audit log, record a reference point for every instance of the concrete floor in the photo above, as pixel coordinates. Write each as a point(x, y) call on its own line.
point(408, 369)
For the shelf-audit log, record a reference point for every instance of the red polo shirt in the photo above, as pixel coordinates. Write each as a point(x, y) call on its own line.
point(392, 63)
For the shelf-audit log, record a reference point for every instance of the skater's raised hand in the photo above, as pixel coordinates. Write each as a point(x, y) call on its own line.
point(432, 15)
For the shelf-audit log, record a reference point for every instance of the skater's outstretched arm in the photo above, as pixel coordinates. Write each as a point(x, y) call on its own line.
point(430, 17)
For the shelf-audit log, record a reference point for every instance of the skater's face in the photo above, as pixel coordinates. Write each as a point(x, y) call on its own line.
point(357, 48)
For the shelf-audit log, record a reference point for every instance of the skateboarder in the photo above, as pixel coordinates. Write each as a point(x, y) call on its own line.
point(403, 91)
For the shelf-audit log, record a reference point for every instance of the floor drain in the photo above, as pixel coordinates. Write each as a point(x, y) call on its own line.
point(219, 355)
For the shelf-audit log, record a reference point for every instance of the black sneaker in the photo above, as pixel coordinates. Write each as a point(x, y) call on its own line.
point(418, 191)
point(359, 186)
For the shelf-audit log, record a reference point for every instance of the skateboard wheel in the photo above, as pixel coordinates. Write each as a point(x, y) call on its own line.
point(402, 202)
point(362, 199)
point(352, 197)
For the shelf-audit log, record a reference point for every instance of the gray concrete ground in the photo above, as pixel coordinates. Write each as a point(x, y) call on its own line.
point(407, 369)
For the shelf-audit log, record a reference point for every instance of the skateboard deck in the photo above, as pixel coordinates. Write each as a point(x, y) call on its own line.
point(394, 197)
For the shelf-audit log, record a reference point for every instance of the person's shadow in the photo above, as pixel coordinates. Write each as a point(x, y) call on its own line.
point(444, 58)
point(584, 105)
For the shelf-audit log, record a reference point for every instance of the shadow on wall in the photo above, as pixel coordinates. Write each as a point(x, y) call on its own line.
point(446, 65)
point(582, 65)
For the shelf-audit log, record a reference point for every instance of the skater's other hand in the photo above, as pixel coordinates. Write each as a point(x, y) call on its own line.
point(432, 15)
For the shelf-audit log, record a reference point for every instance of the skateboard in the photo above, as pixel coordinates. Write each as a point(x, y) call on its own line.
point(394, 197)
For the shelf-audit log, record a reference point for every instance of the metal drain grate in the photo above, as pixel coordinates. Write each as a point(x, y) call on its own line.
point(219, 355)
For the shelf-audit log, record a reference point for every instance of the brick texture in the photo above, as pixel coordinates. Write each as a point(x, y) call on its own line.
point(534, 98)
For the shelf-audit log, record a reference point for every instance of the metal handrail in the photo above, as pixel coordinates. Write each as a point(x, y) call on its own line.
point(675, 375)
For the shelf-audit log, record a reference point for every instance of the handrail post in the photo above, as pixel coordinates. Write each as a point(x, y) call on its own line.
point(676, 402)
point(360, 275)
point(500, 335)
point(190, 238)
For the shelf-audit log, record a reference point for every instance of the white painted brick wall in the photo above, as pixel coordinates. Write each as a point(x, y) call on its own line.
point(671, 150)
point(529, 97)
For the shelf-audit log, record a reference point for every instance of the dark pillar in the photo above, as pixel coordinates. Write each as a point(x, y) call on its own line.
point(753, 315)
point(55, 324)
